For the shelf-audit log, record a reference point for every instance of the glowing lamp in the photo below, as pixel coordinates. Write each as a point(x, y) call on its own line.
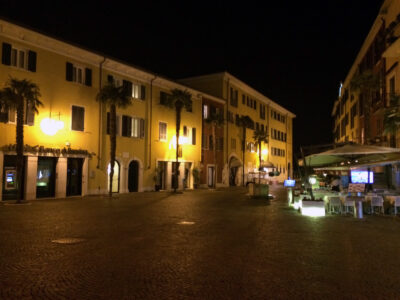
point(264, 151)
point(313, 208)
point(51, 126)
point(312, 180)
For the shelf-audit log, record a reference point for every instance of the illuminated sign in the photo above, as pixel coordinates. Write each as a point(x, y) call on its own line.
point(289, 183)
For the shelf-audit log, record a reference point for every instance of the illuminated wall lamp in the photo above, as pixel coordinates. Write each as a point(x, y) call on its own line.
point(50, 126)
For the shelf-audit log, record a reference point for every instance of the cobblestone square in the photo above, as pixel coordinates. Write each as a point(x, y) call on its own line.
point(202, 244)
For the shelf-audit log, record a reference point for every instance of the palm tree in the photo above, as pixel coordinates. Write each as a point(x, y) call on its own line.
point(179, 99)
point(20, 95)
point(215, 120)
point(367, 84)
point(113, 96)
point(391, 120)
point(260, 136)
point(244, 122)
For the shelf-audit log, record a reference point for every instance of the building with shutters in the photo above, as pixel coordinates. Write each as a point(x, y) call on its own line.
point(241, 159)
point(67, 142)
point(358, 115)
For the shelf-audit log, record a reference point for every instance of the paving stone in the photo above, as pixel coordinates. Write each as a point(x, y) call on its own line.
point(196, 245)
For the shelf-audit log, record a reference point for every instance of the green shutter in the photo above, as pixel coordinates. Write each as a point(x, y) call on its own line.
point(88, 77)
point(127, 85)
point(32, 61)
point(142, 92)
point(6, 54)
point(69, 71)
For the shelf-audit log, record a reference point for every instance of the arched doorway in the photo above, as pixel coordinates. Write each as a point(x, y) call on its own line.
point(234, 165)
point(133, 176)
point(115, 179)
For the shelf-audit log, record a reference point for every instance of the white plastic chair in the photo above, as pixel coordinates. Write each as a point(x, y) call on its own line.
point(335, 203)
point(377, 201)
point(349, 202)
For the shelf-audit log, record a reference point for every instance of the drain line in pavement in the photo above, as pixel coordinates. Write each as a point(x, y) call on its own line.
point(68, 241)
point(186, 223)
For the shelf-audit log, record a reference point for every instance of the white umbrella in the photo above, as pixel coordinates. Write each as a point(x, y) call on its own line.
point(350, 154)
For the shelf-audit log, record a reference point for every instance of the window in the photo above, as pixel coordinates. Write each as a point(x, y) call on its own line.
point(204, 141)
point(138, 91)
point(230, 117)
point(220, 144)
point(162, 128)
point(234, 97)
point(210, 142)
point(262, 111)
point(205, 111)
point(243, 99)
point(126, 126)
point(193, 136)
point(137, 128)
point(78, 118)
point(251, 147)
point(392, 87)
point(233, 143)
point(78, 74)
point(262, 127)
point(18, 57)
point(185, 131)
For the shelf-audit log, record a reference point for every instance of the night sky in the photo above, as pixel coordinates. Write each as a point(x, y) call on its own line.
point(295, 52)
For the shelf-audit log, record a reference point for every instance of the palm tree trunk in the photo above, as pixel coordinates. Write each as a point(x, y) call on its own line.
point(178, 127)
point(214, 154)
point(20, 148)
point(113, 144)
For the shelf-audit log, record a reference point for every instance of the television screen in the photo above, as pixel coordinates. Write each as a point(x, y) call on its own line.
point(362, 177)
point(289, 183)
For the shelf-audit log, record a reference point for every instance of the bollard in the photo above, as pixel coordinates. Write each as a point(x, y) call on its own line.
point(358, 210)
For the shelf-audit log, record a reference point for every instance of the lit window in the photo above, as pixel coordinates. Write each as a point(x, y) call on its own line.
point(19, 58)
point(205, 111)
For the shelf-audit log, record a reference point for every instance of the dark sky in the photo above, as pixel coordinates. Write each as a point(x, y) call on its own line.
point(295, 52)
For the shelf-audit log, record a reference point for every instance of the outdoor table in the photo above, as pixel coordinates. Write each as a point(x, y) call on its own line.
point(358, 205)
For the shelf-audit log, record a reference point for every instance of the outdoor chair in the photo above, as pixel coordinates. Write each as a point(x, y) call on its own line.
point(396, 204)
point(349, 202)
point(335, 205)
point(377, 201)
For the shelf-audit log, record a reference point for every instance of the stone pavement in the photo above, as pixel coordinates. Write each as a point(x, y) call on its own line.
point(197, 245)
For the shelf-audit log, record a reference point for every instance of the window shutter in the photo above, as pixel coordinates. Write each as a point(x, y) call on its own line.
point(141, 128)
point(127, 86)
point(32, 61)
point(69, 71)
point(126, 126)
point(193, 136)
point(6, 54)
point(110, 78)
point(142, 92)
point(88, 77)
point(3, 114)
point(78, 118)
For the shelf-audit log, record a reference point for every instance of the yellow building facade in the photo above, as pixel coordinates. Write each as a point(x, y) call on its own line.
point(243, 100)
point(67, 142)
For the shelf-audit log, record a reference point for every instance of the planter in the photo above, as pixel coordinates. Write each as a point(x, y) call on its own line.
point(258, 189)
point(312, 208)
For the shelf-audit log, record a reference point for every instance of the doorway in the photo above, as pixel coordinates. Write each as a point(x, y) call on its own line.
point(133, 176)
point(74, 176)
point(10, 187)
point(46, 177)
point(186, 179)
point(115, 179)
point(161, 175)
